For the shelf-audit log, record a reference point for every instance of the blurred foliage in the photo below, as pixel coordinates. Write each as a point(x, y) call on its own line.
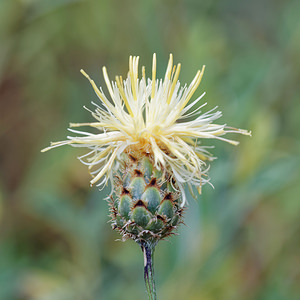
point(242, 238)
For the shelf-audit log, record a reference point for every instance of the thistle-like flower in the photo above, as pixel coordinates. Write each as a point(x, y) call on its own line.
point(149, 146)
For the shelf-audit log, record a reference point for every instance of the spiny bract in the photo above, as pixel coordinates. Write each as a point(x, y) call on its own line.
point(145, 204)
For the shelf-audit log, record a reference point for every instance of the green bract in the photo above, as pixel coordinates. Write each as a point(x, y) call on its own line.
point(145, 204)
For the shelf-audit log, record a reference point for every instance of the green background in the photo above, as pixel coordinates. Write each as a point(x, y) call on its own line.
point(241, 239)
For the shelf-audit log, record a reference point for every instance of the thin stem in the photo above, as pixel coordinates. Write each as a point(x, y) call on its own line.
point(148, 251)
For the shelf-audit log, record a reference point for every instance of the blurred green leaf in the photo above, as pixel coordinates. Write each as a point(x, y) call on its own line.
point(241, 239)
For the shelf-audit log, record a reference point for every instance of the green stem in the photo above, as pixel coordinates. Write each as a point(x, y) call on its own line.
point(148, 251)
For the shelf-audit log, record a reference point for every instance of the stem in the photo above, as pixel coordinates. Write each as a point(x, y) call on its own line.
point(148, 251)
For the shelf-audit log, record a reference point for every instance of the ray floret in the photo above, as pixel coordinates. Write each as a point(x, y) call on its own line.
point(155, 115)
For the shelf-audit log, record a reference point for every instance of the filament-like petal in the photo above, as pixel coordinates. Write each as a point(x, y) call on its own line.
point(153, 115)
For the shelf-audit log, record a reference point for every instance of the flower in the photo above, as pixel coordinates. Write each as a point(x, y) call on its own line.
point(154, 115)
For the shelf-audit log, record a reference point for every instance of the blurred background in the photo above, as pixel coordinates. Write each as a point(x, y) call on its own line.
point(241, 239)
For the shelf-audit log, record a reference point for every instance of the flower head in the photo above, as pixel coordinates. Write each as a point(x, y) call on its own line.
point(154, 115)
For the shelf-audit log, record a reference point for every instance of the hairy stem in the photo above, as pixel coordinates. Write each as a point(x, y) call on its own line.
point(148, 251)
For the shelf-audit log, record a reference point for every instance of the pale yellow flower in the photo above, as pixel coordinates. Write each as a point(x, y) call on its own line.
point(154, 115)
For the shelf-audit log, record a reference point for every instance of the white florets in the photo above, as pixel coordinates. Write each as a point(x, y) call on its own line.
point(150, 113)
